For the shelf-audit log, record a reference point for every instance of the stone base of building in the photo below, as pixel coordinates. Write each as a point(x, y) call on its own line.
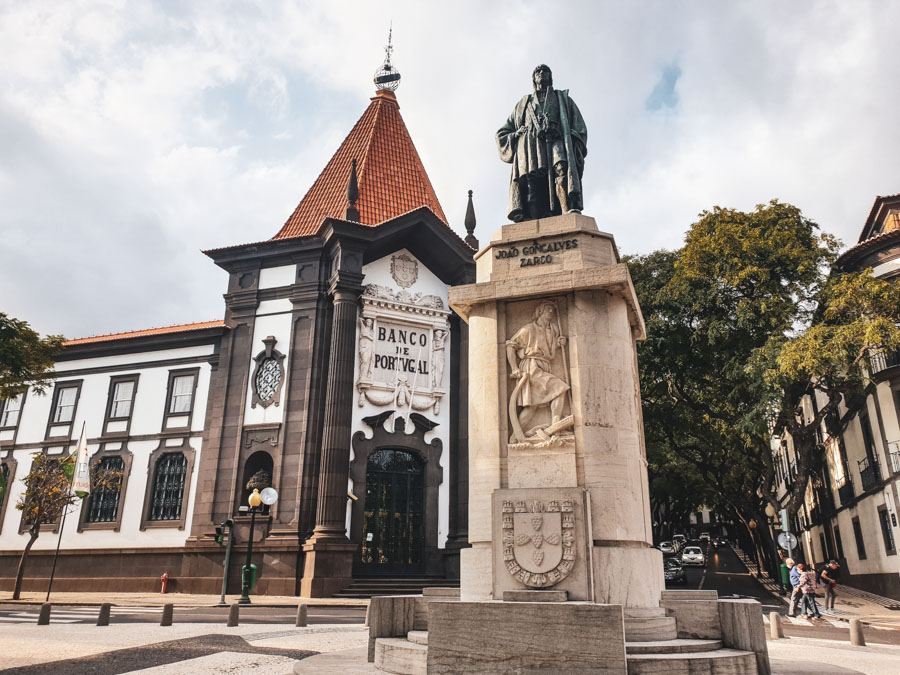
point(327, 568)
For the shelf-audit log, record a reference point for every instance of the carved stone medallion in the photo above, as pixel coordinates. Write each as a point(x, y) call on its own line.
point(404, 270)
point(538, 541)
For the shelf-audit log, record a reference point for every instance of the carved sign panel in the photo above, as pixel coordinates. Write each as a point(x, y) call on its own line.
point(538, 541)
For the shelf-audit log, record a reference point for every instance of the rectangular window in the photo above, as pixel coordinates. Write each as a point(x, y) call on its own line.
point(122, 397)
point(860, 544)
point(824, 548)
point(886, 532)
point(838, 543)
point(868, 437)
point(64, 411)
point(182, 394)
point(9, 411)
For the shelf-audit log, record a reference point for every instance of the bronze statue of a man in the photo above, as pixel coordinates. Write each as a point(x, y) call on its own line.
point(545, 140)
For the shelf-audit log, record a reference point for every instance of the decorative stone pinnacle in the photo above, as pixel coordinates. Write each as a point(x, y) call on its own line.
point(470, 224)
point(352, 212)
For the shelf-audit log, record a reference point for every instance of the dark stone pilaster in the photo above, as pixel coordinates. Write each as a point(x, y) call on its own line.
point(328, 563)
point(458, 534)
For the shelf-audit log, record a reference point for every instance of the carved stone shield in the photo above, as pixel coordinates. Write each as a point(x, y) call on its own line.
point(538, 544)
point(404, 270)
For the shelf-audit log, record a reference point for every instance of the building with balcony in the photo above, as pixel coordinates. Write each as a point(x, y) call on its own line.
point(850, 507)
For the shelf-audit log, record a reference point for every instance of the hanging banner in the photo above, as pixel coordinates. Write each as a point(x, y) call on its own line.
point(81, 482)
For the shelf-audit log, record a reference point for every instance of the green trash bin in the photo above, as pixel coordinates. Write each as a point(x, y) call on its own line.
point(785, 575)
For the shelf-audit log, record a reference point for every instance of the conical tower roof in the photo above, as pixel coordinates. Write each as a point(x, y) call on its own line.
point(390, 175)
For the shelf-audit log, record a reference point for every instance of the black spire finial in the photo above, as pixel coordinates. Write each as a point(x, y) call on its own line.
point(470, 224)
point(352, 212)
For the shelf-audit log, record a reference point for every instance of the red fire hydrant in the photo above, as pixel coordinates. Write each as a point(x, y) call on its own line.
point(165, 582)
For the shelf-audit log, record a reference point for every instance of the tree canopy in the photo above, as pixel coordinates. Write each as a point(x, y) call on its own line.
point(743, 322)
point(26, 359)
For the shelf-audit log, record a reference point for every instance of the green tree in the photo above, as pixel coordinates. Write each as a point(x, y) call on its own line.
point(26, 359)
point(743, 322)
point(47, 494)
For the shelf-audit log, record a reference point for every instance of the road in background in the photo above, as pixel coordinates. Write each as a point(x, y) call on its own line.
point(10, 613)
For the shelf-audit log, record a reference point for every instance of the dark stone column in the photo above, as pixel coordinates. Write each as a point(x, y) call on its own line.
point(328, 564)
point(458, 534)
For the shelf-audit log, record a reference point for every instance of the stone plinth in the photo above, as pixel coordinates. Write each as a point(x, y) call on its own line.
point(512, 637)
point(594, 441)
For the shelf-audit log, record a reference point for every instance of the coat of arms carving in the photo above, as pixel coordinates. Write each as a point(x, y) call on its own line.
point(404, 270)
point(538, 541)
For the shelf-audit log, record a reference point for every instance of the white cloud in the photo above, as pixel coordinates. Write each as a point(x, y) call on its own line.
point(135, 134)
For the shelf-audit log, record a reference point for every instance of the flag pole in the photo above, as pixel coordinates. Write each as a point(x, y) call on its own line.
point(62, 523)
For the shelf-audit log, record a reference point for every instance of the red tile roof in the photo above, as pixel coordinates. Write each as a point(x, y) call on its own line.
point(181, 328)
point(391, 178)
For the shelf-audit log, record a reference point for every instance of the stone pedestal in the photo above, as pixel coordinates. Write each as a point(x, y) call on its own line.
point(327, 568)
point(588, 444)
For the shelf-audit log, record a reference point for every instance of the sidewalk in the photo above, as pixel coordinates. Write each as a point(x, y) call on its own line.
point(850, 603)
point(177, 599)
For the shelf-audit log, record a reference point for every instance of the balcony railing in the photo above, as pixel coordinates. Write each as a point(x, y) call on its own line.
point(869, 472)
point(882, 360)
point(894, 456)
point(845, 491)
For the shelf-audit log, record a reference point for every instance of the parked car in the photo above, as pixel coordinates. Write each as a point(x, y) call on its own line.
point(693, 555)
point(667, 548)
point(674, 572)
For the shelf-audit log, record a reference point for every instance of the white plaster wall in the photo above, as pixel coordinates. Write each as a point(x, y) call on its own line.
point(276, 277)
point(379, 272)
point(147, 415)
point(273, 317)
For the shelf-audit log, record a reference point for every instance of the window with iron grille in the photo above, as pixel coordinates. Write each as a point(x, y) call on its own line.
point(103, 505)
point(168, 487)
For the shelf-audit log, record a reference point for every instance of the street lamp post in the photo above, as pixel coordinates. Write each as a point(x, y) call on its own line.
point(268, 497)
point(771, 514)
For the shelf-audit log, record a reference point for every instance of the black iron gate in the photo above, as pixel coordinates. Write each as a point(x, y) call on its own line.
point(394, 518)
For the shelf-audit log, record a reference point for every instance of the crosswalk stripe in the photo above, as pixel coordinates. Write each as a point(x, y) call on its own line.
point(12, 619)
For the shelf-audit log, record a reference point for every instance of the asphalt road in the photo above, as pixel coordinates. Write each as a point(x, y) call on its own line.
point(725, 573)
point(87, 614)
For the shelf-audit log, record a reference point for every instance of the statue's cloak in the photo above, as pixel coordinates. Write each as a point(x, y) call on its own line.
point(531, 155)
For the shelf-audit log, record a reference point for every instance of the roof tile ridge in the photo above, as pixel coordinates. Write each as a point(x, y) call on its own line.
point(363, 163)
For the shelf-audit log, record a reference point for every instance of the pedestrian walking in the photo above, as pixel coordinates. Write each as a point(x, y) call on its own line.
point(829, 578)
point(808, 608)
point(795, 586)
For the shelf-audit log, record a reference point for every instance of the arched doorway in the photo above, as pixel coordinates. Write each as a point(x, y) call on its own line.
point(394, 513)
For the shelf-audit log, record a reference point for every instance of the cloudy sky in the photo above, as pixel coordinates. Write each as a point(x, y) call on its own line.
point(135, 134)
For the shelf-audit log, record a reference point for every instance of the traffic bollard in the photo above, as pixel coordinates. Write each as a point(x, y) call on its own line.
point(233, 613)
point(856, 633)
point(168, 611)
point(301, 615)
point(103, 616)
point(44, 616)
point(775, 629)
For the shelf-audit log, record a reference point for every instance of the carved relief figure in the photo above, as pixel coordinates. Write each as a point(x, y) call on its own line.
point(530, 353)
point(366, 347)
point(437, 358)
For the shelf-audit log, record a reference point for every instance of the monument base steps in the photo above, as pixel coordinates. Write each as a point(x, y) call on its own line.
point(718, 662)
point(672, 647)
point(404, 657)
point(650, 628)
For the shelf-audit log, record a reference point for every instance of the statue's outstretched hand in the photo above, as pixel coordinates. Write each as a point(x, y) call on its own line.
point(516, 373)
point(521, 131)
